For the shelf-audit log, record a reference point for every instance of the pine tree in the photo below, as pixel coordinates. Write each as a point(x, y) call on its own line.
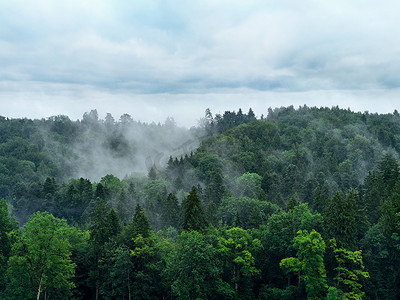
point(344, 220)
point(152, 173)
point(100, 193)
point(138, 226)
point(293, 202)
point(193, 216)
point(321, 198)
point(114, 226)
point(255, 219)
point(237, 222)
point(170, 212)
point(100, 234)
point(389, 169)
point(212, 214)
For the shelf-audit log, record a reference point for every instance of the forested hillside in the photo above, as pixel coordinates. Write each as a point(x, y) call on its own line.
point(299, 203)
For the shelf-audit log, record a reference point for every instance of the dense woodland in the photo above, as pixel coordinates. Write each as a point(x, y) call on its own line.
point(299, 203)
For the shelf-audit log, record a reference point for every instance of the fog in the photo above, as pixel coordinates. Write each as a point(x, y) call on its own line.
point(125, 147)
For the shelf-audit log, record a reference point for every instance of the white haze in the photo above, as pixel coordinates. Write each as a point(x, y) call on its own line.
point(126, 148)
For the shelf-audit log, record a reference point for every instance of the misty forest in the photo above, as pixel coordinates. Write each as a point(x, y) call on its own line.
point(300, 203)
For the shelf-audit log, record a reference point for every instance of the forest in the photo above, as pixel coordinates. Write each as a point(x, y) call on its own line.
point(300, 203)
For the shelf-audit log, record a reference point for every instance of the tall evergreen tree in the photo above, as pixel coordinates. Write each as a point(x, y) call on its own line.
point(170, 212)
point(345, 220)
point(193, 215)
point(101, 230)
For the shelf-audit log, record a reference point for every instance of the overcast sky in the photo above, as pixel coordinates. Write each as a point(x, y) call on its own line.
point(158, 58)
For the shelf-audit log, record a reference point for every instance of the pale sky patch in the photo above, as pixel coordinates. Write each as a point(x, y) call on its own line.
point(178, 58)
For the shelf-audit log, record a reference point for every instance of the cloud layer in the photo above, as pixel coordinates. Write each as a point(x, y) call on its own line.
point(169, 50)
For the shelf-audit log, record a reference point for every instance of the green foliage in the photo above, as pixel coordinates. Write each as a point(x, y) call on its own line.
point(309, 263)
point(350, 271)
point(235, 247)
point(249, 185)
point(43, 253)
point(7, 225)
point(377, 262)
point(343, 164)
point(345, 220)
point(193, 269)
point(252, 212)
point(170, 212)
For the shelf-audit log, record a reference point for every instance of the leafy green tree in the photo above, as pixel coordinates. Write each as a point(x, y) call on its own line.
point(146, 279)
point(216, 189)
point(249, 185)
point(390, 208)
point(43, 252)
point(79, 241)
point(350, 271)
point(252, 212)
point(277, 240)
point(373, 196)
point(235, 246)
point(309, 263)
point(193, 269)
point(100, 192)
point(7, 225)
point(193, 215)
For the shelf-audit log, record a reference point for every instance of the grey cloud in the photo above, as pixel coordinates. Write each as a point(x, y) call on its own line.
point(176, 50)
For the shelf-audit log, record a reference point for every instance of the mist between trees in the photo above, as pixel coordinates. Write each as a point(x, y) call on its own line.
point(228, 209)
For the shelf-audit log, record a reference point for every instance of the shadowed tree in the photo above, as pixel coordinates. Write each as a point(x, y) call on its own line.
point(193, 215)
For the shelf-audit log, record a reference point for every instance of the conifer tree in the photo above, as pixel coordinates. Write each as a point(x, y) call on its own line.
point(344, 220)
point(140, 223)
point(193, 215)
point(104, 225)
point(293, 202)
point(114, 226)
point(170, 214)
point(152, 173)
point(237, 222)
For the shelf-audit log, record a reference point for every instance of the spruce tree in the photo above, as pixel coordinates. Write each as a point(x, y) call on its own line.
point(139, 225)
point(170, 214)
point(193, 215)
point(344, 220)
